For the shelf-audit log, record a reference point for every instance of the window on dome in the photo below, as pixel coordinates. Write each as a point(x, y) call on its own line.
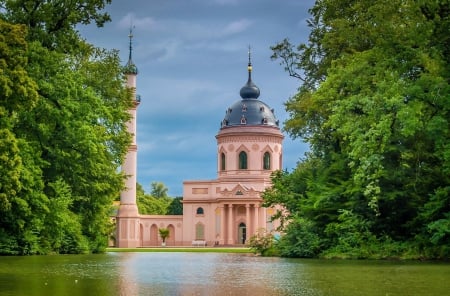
point(244, 108)
point(242, 160)
point(261, 109)
point(243, 120)
point(264, 120)
point(200, 211)
point(266, 161)
point(222, 161)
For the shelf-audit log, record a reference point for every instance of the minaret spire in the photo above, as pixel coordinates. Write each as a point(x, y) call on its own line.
point(131, 43)
point(130, 67)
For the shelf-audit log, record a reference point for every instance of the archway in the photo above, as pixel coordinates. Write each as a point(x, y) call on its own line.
point(242, 233)
point(171, 239)
point(154, 235)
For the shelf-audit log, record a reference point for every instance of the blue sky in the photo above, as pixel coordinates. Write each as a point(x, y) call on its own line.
point(192, 61)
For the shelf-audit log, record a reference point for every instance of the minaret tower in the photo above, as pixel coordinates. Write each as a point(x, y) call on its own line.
point(128, 216)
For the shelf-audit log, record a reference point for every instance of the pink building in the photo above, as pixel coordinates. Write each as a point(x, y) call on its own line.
point(224, 211)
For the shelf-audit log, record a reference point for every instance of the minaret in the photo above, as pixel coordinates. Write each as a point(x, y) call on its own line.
point(128, 216)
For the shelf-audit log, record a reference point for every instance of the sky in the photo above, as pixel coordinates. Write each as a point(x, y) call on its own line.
point(192, 58)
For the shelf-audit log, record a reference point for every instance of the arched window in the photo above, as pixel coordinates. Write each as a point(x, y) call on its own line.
point(200, 211)
point(199, 231)
point(266, 161)
point(242, 160)
point(222, 161)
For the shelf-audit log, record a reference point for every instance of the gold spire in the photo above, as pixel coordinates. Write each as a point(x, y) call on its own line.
point(249, 67)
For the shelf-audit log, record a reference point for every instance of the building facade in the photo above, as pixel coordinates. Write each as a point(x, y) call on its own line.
point(225, 211)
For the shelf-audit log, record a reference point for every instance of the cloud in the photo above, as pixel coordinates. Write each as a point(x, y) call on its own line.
point(130, 19)
point(236, 27)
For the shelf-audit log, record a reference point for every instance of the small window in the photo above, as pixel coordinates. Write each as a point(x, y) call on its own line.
point(200, 211)
point(222, 161)
point(244, 108)
point(264, 120)
point(242, 160)
point(266, 161)
point(243, 120)
point(261, 109)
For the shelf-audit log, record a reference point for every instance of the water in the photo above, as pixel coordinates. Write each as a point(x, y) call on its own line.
point(216, 274)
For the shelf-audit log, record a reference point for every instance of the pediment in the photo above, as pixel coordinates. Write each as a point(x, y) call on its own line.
point(239, 190)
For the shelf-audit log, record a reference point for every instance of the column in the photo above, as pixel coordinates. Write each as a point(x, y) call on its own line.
point(257, 226)
point(222, 225)
point(247, 221)
point(230, 225)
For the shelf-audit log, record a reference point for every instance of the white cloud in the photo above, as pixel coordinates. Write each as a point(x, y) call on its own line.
point(236, 27)
point(130, 19)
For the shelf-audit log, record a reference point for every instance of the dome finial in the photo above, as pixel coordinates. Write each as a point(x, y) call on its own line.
point(249, 67)
point(249, 90)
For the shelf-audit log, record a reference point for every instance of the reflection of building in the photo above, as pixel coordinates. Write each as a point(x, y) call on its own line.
point(224, 211)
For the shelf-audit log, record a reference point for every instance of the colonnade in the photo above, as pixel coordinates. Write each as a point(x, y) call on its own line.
point(230, 218)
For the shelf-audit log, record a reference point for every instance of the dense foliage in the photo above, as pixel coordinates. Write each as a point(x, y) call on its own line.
point(63, 109)
point(157, 202)
point(374, 107)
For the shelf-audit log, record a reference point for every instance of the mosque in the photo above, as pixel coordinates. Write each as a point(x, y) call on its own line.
point(226, 211)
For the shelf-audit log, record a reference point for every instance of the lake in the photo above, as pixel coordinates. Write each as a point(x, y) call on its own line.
point(216, 274)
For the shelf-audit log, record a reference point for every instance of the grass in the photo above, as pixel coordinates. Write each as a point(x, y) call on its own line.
point(183, 249)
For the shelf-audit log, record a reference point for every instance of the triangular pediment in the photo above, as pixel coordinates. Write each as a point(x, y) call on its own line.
point(239, 190)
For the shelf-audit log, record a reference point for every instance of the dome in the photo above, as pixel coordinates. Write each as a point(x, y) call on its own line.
point(249, 110)
point(130, 68)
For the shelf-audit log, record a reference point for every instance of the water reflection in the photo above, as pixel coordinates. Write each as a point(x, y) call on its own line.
point(132, 274)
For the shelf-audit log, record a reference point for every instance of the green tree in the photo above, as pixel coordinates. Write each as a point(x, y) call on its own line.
point(164, 234)
point(175, 206)
point(22, 202)
point(65, 130)
point(158, 190)
point(373, 106)
point(150, 205)
point(52, 22)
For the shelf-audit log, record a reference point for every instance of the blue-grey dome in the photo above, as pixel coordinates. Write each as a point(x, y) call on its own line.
point(247, 112)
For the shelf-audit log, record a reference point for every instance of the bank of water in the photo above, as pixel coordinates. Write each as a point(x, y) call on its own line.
point(216, 274)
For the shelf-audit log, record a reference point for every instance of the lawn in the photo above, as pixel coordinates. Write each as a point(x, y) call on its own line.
point(183, 249)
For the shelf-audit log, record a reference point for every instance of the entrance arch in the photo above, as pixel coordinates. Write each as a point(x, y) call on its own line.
point(154, 235)
point(171, 239)
point(242, 233)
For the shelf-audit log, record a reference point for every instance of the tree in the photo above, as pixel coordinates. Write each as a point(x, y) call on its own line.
point(159, 190)
point(65, 107)
point(53, 22)
point(164, 233)
point(374, 108)
point(175, 206)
